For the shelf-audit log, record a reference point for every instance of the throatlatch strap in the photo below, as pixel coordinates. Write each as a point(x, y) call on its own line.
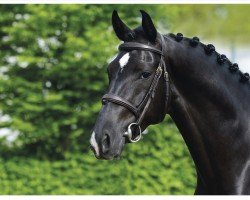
point(165, 74)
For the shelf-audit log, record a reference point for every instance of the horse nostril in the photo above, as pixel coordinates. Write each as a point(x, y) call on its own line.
point(105, 143)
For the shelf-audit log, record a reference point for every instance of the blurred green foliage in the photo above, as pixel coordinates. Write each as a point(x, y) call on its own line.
point(160, 164)
point(215, 22)
point(53, 62)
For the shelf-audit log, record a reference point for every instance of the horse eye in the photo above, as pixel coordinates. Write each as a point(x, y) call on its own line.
point(145, 75)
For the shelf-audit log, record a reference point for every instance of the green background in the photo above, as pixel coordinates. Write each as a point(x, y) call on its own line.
point(53, 61)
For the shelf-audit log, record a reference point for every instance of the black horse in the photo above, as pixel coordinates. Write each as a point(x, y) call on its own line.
point(205, 94)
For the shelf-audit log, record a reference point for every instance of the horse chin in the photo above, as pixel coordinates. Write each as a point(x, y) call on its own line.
point(109, 157)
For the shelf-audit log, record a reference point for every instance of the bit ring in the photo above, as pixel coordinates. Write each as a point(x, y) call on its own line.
point(129, 133)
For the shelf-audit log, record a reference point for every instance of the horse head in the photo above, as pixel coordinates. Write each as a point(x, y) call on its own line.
point(138, 90)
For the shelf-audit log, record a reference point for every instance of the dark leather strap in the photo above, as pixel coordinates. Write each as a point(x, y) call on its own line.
point(165, 74)
point(120, 101)
point(150, 94)
point(129, 46)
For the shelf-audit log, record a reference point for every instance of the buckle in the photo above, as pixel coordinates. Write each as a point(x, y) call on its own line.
point(158, 71)
point(166, 76)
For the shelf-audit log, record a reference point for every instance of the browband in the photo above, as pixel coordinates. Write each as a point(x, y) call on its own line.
point(129, 46)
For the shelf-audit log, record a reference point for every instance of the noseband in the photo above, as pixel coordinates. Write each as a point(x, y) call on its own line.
point(140, 110)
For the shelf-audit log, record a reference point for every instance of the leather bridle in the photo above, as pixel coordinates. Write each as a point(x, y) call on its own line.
point(140, 110)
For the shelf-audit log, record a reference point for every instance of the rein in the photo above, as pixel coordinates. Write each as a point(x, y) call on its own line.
point(140, 110)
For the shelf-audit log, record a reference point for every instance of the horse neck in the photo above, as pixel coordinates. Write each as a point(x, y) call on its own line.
point(209, 108)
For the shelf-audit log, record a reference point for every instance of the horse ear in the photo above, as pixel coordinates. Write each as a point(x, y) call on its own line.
point(121, 30)
point(148, 26)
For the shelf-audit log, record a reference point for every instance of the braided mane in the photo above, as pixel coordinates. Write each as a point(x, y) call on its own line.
point(210, 50)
